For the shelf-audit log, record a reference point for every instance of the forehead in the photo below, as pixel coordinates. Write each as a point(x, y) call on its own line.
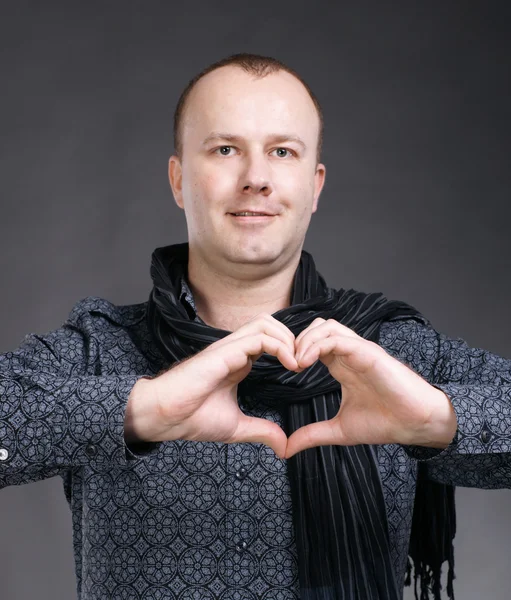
point(229, 99)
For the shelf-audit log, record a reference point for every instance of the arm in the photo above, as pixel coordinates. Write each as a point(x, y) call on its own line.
point(55, 414)
point(478, 384)
point(62, 407)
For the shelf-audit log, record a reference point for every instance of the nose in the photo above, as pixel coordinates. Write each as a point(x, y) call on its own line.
point(255, 178)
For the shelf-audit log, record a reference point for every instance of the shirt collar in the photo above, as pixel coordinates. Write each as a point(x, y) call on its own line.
point(186, 299)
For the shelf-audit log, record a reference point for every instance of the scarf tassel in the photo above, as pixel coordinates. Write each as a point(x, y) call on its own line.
point(430, 580)
point(431, 541)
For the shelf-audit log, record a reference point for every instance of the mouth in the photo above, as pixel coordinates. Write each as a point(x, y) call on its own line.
point(249, 218)
point(247, 213)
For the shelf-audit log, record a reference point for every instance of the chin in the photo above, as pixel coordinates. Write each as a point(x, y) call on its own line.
point(253, 256)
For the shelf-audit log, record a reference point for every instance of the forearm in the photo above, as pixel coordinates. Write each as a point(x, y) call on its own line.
point(77, 422)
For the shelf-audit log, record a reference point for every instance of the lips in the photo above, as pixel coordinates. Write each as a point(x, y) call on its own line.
point(252, 213)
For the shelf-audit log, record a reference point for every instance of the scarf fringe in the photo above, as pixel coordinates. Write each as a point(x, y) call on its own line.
point(430, 579)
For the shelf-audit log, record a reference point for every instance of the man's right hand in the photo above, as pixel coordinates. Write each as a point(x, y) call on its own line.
point(198, 398)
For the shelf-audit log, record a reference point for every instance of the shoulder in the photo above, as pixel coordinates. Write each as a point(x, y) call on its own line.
point(96, 311)
point(413, 342)
point(406, 331)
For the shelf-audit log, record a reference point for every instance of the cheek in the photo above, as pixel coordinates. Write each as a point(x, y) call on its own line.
point(211, 185)
point(298, 183)
point(304, 193)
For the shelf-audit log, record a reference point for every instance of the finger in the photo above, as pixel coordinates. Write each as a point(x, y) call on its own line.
point(330, 324)
point(269, 325)
point(238, 351)
point(265, 323)
point(338, 345)
point(324, 433)
point(321, 330)
point(315, 323)
point(257, 430)
point(277, 348)
point(315, 332)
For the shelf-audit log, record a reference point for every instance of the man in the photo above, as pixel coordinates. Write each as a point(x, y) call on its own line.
point(249, 433)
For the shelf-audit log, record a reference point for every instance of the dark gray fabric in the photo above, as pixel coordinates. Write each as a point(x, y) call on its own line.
point(189, 520)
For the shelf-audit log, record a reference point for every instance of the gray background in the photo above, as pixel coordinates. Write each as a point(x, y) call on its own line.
point(416, 203)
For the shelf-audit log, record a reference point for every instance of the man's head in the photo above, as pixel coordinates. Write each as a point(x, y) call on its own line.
point(248, 134)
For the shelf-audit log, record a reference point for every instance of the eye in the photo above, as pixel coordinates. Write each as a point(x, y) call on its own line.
point(221, 149)
point(280, 155)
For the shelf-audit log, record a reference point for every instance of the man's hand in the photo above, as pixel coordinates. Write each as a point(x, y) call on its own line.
point(197, 399)
point(383, 400)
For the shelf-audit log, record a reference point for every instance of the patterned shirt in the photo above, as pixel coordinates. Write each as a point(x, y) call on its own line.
point(189, 520)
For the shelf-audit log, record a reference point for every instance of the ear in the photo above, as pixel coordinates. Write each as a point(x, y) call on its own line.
point(319, 180)
point(175, 179)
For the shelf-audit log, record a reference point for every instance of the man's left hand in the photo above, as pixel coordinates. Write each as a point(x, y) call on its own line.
point(383, 400)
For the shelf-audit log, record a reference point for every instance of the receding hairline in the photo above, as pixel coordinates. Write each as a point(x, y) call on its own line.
point(255, 66)
point(203, 81)
point(239, 70)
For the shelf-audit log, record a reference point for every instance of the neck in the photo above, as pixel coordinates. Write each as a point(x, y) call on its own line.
point(227, 302)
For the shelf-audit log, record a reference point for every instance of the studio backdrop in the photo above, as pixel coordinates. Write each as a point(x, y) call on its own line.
point(416, 202)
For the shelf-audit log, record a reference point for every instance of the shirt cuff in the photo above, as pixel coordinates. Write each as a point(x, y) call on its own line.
point(140, 450)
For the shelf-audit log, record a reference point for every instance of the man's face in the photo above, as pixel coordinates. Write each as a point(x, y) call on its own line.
point(249, 145)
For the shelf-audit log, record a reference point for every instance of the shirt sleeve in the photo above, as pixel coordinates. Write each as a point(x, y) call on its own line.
point(54, 414)
point(478, 384)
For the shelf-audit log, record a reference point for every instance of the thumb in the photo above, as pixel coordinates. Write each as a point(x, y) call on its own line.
point(324, 433)
point(254, 429)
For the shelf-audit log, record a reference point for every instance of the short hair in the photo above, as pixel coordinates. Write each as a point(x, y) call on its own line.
point(256, 65)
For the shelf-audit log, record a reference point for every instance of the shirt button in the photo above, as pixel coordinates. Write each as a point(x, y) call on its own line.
point(91, 450)
point(485, 436)
point(4, 454)
point(240, 546)
point(241, 473)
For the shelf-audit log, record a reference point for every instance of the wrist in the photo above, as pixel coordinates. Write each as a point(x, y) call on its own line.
point(139, 414)
point(442, 425)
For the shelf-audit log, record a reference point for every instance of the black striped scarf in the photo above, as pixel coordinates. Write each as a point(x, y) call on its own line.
point(339, 512)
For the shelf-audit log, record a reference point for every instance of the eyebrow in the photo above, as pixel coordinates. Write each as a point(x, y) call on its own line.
point(275, 138)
